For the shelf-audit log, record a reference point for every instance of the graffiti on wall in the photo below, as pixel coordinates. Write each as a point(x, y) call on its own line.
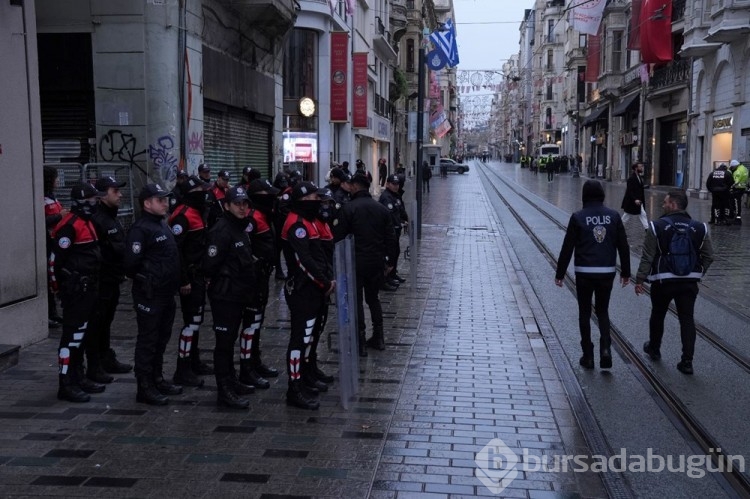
point(162, 155)
point(195, 142)
point(118, 146)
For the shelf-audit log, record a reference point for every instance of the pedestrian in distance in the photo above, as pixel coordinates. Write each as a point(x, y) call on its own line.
point(426, 176)
point(382, 172)
point(719, 183)
point(189, 229)
point(677, 252)
point(229, 265)
point(372, 227)
point(152, 260)
point(101, 357)
point(596, 236)
point(739, 175)
point(550, 166)
point(74, 266)
point(634, 200)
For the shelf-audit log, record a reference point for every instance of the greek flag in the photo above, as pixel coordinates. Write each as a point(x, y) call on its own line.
point(444, 40)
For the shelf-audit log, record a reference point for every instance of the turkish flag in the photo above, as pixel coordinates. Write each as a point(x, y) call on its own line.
point(656, 31)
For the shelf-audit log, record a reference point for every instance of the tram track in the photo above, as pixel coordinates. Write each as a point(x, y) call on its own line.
point(732, 480)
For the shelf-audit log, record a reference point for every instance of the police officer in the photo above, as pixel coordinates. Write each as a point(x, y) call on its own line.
point(283, 205)
point(229, 265)
point(739, 175)
point(204, 172)
point(667, 283)
point(372, 227)
point(152, 260)
point(189, 230)
point(308, 284)
point(719, 183)
point(176, 197)
point(53, 213)
point(391, 199)
point(74, 269)
point(111, 234)
point(263, 237)
point(596, 235)
point(218, 191)
point(248, 175)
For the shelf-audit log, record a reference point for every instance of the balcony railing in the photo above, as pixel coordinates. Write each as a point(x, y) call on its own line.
point(675, 73)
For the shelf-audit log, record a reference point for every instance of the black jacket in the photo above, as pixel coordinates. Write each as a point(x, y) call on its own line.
point(189, 232)
point(372, 227)
point(719, 181)
point(75, 248)
point(229, 261)
point(305, 253)
point(151, 257)
point(634, 191)
point(111, 236)
point(596, 235)
point(396, 208)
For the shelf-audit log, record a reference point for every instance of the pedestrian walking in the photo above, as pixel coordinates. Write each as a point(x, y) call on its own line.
point(152, 260)
point(229, 265)
point(308, 284)
point(74, 270)
point(719, 183)
point(677, 252)
point(634, 200)
point(372, 227)
point(100, 356)
point(739, 176)
point(426, 176)
point(596, 236)
point(550, 166)
point(189, 229)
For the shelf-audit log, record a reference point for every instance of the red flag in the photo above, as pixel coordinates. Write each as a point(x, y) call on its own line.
point(656, 31)
point(359, 96)
point(339, 69)
point(593, 47)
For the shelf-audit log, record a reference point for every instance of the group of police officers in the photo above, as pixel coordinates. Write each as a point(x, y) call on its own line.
point(207, 239)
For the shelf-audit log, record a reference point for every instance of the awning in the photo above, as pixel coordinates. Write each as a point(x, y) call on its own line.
point(625, 104)
point(596, 115)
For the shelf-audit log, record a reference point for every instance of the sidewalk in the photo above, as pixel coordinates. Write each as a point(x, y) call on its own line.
point(464, 364)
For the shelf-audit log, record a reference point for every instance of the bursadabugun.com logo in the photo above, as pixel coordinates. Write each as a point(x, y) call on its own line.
point(498, 465)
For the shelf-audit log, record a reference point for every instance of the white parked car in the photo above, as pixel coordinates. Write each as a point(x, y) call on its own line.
point(452, 166)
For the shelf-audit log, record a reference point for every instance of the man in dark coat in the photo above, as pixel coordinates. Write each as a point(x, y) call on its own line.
point(634, 201)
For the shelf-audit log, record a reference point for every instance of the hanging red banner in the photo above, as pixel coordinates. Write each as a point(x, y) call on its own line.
point(339, 69)
point(359, 95)
point(593, 47)
point(656, 31)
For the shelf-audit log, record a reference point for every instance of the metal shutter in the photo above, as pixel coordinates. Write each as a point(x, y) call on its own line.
point(233, 140)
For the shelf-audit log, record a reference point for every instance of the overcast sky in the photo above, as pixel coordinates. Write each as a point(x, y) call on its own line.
point(487, 31)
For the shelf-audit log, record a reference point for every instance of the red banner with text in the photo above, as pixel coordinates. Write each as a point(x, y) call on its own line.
point(359, 95)
point(339, 69)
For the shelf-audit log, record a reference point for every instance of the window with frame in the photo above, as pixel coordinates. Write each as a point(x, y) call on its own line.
point(549, 91)
point(582, 41)
point(550, 31)
point(410, 55)
point(617, 51)
point(300, 61)
point(550, 60)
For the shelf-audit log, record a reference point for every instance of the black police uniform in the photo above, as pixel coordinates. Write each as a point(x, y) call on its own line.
point(111, 234)
point(152, 260)
point(230, 266)
point(372, 227)
point(263, 236)
point(596, 234)
point(189, 230)
point(75, 263)
point(309, 281)
point(392, 201)
point(719, 183)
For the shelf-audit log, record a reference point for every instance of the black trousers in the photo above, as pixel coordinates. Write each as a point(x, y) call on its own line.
point(100, 328)
point(254, 315)
point(304, 307)
point(320, 325)
point(393, 272)
point(550, 172)
point(684, 295)
point(425, 185)
point(720, 202)
point(600, 290)
point(227, 318)
point(368, 288)
point(736, 203)
point(193, 305)
point(78, 304)
point(155, 318)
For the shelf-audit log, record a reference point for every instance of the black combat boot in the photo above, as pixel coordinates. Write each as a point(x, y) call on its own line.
point(239, 387)
point(315, 370)
point(111, 365)
point(85, 383)
point(184, 374)
point(249, 376)
point(199, 367)
point(310, 381)
point(377, 341)
point(261, 369)
point(70, 391)
point(362, 344)
point(227, 397)
point(587, 360)
point(147, 392)
point(297, 397)
point(165, 387)
point(96, 373)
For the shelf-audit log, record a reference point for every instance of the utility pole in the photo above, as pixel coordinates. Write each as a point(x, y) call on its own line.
point(420, 132)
